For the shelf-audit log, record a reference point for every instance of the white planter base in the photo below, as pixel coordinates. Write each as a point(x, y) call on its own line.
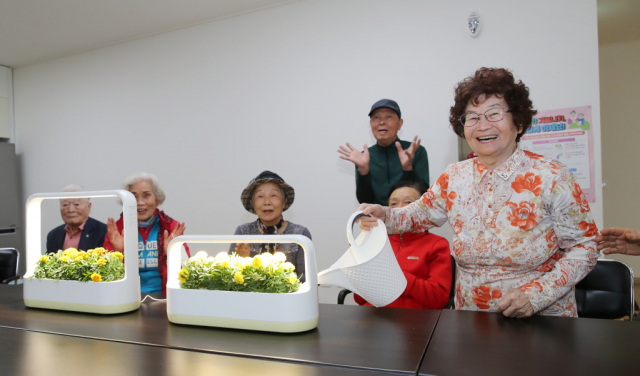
point(78, 307)
point(266, 326)
point(93, 297)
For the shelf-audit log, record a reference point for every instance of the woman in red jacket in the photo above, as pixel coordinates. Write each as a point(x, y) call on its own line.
point(155, 231)
point(425, 258)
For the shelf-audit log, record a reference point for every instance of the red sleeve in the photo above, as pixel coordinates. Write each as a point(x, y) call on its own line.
point(172, 227)
point(359, 299)
point(432, 289)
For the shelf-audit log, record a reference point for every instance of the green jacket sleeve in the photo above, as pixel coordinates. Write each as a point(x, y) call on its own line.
point(364, 188)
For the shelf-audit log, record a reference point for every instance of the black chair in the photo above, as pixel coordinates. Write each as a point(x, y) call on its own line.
point(607, 291)
point(9, 260)
point(452, 294)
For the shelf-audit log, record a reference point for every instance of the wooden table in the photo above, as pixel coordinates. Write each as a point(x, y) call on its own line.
point(478, 343)
point(366, 338)
point(10, 293)
point(31, 353)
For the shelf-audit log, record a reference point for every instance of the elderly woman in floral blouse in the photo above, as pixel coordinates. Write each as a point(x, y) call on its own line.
point(524, 235)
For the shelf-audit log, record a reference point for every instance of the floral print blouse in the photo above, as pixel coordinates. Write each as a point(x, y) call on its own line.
point(525, 224)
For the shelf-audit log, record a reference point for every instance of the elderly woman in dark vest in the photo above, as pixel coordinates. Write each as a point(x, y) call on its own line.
point(268, 196)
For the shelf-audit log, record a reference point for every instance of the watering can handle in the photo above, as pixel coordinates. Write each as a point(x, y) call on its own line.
point(352, 221)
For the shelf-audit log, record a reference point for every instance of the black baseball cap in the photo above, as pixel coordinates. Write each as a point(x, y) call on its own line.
point(386, 103)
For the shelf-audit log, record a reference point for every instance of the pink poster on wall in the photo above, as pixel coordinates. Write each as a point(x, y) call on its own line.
point(565, 135)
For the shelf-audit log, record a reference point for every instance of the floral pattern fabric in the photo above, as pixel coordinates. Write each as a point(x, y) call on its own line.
point(525, 224)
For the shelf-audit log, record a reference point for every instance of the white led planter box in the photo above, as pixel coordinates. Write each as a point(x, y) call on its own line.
point(95, 297)
point(286, 313)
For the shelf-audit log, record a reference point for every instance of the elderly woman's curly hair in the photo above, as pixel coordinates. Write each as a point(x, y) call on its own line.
point(488, 82)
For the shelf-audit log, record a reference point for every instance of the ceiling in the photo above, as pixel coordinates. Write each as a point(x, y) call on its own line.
point(32, 31)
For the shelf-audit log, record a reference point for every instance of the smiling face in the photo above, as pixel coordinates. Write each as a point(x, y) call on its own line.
point(385, 125)
point(75, 211)
point(268, 203)
point(494, 142)
point(147, 203)
point(402, 197)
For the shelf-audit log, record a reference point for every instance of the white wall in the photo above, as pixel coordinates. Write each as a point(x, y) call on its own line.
point(620, 77)
point(209, 107)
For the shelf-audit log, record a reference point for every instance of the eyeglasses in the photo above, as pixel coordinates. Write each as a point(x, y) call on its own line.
point(493, 114)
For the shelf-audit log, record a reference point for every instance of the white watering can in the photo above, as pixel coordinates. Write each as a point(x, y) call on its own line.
point(369, 267)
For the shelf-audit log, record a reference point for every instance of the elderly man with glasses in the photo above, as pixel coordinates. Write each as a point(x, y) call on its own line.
point(79, 231)
point(390, 160)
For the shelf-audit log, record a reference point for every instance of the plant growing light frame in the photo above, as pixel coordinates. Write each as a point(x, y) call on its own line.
point(286, 313)
point(96, 297)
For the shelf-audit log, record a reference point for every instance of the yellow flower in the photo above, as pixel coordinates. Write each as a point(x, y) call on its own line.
point(183, 275)
point(257, 261)
point(78, 258)
point(71, 252)
point(102, 262)
point(238, 278)
point(95, 277)
point(118, 255)
point(287, 266)
point(44, 259)
point(64, 259)
point(292, 279)
point(225, 264)
point(99, 251)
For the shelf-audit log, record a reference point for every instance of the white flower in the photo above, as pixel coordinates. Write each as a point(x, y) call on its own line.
point(200, 256)
point(222, 256)
point(287, 266)
point(267, 258)
point(279, 257)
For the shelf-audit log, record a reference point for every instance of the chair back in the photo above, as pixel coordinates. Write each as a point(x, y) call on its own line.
point(452, 293)
point(8, 263)
point(607, 291)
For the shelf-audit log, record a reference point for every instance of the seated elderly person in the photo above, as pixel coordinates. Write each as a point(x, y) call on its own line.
point(425, 258)
point(524, 235)
point(268, 196)
point(155, 231)
point(79, 231)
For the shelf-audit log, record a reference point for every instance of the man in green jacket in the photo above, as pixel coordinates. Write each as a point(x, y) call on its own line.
point(390, 160)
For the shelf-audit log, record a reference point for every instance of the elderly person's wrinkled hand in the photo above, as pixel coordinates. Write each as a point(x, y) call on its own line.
point(115, 237)
point(515, 304)
point(375, 212)
point(177, 231)
point(243, 250)
point(406, 156)
point(625, 241)
point(359, 158)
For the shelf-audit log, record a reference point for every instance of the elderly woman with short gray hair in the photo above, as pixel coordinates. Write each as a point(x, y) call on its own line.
point(155, 231)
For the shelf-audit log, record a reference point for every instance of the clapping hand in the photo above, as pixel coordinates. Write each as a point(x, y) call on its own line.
point(243, 250)
point(359, 158)
point(625, 241)
point(177, 231)
point(115, 237)
point(406, 156)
